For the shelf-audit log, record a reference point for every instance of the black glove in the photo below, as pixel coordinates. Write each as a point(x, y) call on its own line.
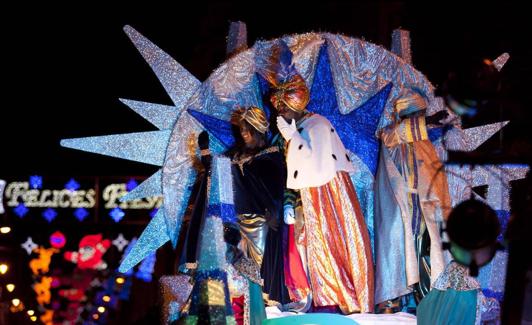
point(232, 237)
point(203, 142)
point(437, 117)
point(232, 234)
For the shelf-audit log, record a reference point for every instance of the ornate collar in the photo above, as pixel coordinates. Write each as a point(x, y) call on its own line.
point(241, 161)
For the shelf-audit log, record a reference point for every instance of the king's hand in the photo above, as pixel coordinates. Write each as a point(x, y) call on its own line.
point(287, 130)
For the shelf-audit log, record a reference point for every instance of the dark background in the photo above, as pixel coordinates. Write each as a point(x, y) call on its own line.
point(64, 68)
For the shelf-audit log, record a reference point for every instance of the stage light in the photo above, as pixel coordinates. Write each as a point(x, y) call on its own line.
point(473, 228)
point(31, 312)
point(101, 309)
point(15, 302)
point(5, 230)
point(10, 287)
point(3, 268)
point(33, 318)
point(95, 316)
point(120, 280)
point(106, 298)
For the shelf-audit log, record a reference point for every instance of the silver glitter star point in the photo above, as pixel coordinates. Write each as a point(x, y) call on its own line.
point(463, 178)
point(176, 80)
point(161, 116)
point(500, 61)
point(150, 187)
point(153, 237)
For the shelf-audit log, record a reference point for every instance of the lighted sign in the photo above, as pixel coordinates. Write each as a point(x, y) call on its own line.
point(113, 192)
point(45, 198)
point(21, 195)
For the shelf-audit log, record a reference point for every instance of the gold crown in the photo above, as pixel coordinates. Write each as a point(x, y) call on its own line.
point(409, 104)
point(254, 116)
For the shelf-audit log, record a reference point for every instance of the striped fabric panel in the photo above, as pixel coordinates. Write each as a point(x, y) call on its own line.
point(416, 129)
point(414, 199)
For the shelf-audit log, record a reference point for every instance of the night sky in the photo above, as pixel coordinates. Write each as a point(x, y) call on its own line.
point(64, 72)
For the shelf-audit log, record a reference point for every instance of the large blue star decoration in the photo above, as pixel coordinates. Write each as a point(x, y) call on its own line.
point(220, 129)
point(357, 128)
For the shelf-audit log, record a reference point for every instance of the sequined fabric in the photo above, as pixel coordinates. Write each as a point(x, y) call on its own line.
point(456, 277)
point(212, 293)
point(175, 291)
point(488, 309)
point(238, 284)
point(338, 246)
point(249, 268)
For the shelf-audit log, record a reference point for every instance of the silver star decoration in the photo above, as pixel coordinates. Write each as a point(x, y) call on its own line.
point(462, 178)
point(120, 242)
point(29, 245)
point(231, 84)
point(498, 178)
point(148, 147)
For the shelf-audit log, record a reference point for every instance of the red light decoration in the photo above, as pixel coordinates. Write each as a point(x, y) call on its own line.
point(57, 240)
point(90, 253)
